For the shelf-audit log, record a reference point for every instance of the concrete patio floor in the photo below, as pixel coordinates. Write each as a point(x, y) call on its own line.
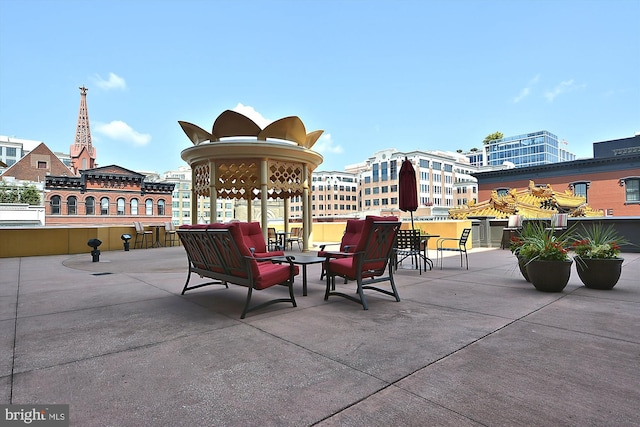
point(117, 341)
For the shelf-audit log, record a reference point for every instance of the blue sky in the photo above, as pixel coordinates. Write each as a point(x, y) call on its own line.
point(373, 74)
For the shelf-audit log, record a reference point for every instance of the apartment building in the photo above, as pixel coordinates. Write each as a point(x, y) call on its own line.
point(333, 194)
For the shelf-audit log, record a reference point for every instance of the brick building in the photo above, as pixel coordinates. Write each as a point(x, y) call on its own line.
point(83, 194)
point(610, 181)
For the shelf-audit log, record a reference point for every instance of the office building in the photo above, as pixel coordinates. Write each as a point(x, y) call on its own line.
point(532, 149)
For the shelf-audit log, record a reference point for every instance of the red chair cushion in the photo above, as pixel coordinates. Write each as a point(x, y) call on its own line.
point(270, 274)
point(252, 235)
point(352, 234)
point(259, 255)
point(346, 267)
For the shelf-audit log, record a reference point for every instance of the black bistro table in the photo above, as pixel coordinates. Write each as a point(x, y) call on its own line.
point(302, 260)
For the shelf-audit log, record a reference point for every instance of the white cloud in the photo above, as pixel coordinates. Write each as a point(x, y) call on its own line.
point(121, 131)
point(522, 95)
point(526, 91)
point(250, 112)
point(114, 82)
point(561, 88)
point(325, 145)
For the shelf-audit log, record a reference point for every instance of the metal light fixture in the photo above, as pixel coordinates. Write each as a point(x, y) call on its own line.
point(125, 238)
point(95, 253)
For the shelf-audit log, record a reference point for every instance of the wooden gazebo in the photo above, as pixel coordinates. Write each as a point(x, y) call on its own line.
point(239, 160)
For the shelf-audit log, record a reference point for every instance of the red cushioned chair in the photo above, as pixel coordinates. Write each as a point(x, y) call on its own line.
point(218, 251)
point(349, 241)
point(253, 238)
point(367, 263)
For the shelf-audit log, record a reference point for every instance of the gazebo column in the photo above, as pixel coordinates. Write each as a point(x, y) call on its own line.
point(194, 198)
point(306, 211)
point(249, 209)
point(264, 191)
point(286, 214)
point(213, 193)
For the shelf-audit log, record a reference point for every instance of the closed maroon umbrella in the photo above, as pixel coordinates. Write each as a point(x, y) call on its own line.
point(408, 188)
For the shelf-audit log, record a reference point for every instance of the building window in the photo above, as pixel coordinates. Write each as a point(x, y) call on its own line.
point(42, 165)
point(120, 204)
point(134, 206)
point(631, 189)
point(160, 207)
point(55, 205)
point(104, 206)
point(90, 206)
point(148, 206)
point(72, 205)
point(580, 188)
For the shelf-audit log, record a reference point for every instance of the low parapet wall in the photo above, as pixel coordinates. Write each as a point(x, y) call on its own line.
point(60, 240)
point(488, 232)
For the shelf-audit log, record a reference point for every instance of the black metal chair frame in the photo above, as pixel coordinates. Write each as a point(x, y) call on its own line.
point(273, 243)
point(170, 235)
point(213, 253)
point(295, 237)
point(142, 234)
point(462, 246)
point(380, 248)
point(408, 243)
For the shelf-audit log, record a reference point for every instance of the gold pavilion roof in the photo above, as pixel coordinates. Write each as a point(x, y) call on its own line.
point(532, 202)
point(231, 124)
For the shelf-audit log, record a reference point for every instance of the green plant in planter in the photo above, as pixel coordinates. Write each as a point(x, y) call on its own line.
point(597, 250)
point(543, 244)
point(548, 263)
point(598, 242)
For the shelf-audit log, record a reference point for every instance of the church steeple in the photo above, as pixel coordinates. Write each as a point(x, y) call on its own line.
point(83, 154)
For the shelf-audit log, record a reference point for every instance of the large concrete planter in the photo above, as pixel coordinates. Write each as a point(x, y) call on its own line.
point(549, 276)
point(599, 273)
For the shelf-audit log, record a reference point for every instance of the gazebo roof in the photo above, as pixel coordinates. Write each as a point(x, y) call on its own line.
point(241, 157)
point(231, 124)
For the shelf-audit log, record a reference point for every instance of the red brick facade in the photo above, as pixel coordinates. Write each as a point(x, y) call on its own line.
point(602, 176)
point(107, 195)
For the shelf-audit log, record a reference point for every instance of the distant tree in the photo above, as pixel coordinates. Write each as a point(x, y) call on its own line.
point(474, 149)
point(11, 194)
point(30, 195)
point(493, 137)
point(459, 150)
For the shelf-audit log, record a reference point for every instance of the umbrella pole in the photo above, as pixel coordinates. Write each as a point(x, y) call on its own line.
point(412, 227)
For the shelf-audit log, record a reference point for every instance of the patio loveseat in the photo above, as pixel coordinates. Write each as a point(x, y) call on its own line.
point(220, 252)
